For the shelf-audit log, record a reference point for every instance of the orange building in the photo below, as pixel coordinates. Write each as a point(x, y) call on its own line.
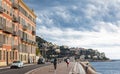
point(17, 32)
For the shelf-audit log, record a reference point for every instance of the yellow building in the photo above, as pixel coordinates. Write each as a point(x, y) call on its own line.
point(17, 32)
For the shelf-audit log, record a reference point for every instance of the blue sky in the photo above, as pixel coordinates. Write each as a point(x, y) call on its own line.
point(80, 23)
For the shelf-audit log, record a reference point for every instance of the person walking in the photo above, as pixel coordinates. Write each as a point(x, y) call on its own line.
point(55, 63)
point(67, 61)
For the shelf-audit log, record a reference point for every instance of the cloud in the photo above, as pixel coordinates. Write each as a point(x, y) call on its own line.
point(105, 38)
point(80, 23)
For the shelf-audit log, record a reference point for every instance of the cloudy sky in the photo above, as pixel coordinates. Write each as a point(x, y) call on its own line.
point(80, 23)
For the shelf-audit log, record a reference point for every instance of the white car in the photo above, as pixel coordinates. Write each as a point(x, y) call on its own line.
point(17, 64)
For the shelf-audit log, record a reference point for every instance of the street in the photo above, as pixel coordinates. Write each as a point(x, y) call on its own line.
point(21, 70)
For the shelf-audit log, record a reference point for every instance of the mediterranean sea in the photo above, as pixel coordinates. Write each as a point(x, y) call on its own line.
point(112, 67)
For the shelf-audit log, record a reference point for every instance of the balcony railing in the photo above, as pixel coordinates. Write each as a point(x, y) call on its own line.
point(7, 30)
point(29, 41)
point(24, 27)
point(15, 5)
point(14, 47)
point(1, 26)
point(23, 39)
point(15, 33)
point(15, 19)
point(1, 9)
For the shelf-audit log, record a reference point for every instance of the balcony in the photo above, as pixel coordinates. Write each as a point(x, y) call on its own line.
point(33, 43)
point(1, 9)
point(24, 27)
point(7, 30)
point(15, 19)
point(15, 5)
point(33, 32)
point(1, 26)
point(28, 41)
point(24, 39)
point(15, 33)
point(14, 47)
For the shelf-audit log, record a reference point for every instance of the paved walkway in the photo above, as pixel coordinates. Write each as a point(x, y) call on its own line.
point(61, 69)
point(74, 68)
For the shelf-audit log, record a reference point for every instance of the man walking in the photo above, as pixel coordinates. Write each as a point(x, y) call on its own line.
point(55, 63)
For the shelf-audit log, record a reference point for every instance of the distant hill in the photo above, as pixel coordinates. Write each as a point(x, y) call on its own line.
point(40, 40)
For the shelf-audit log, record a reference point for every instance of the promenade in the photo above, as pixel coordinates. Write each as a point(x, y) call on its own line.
point(61, 69)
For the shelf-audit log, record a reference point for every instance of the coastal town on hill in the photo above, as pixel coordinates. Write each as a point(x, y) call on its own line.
point(50, 50)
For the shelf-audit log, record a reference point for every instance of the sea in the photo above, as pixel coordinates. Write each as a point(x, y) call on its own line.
point(112, 67)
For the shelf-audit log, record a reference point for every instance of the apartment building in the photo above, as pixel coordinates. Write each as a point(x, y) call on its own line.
point(17, 32)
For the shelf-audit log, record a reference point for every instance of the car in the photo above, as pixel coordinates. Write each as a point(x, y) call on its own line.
point(41, 61)
point(17, 64)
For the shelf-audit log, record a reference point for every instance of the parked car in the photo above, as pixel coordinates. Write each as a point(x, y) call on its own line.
point(41, 61)
point(17, 64)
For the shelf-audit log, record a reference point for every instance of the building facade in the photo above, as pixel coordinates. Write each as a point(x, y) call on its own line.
point(17, 32)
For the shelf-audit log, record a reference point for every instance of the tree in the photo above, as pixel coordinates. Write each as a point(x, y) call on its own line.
point(38, 52)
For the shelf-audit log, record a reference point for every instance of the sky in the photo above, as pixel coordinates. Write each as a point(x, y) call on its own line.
point(80, 23)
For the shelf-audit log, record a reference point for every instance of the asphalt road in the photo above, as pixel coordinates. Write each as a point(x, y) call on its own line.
point(21, 70)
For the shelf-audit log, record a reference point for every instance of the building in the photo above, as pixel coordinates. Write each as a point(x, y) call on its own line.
point(17, 32)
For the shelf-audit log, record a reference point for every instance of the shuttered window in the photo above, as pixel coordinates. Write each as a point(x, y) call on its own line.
point(0, 55)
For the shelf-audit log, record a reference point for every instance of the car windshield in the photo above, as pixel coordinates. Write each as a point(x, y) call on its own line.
point(16, 62)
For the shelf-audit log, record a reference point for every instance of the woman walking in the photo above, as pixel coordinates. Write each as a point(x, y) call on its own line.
point(67, 61)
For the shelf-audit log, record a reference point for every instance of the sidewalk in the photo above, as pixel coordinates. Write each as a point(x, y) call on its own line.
point(61, 69)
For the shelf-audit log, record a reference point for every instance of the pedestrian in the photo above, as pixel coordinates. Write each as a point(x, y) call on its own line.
point(67, 61)
point(55, 63)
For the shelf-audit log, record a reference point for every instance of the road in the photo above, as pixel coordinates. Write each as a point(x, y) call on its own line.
point(21, 70)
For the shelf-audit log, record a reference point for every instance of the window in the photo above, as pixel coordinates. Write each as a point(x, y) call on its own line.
point(0, 20)
point(16, 55)
point(4, 55)
point(25, 57)
point(0, 2)
point(20, 48)
point(13, 55)
point(0, 54)
point(12, 40)
point(9, 40)
point(4, 21)
point(6, 39)
point(10, 55)
point(1, 38)
point(5, 7)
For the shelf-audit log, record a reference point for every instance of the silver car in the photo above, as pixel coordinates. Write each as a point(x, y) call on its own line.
point(17, 64)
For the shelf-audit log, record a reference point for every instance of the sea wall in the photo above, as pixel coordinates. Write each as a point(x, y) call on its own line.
point(88, 68)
